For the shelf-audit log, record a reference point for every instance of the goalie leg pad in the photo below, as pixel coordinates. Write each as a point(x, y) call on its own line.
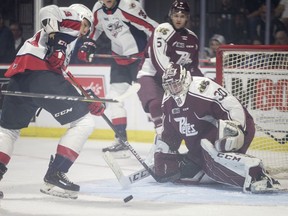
point(228, 168)
point(167, 166)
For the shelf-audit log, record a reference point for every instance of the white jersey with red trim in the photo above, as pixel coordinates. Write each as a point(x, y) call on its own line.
point(126, 25)
point(32, 54)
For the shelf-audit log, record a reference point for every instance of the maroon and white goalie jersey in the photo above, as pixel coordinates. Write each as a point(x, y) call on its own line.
point(126, 25)
point(168, 45)
point(32, 54)
point(206, 102)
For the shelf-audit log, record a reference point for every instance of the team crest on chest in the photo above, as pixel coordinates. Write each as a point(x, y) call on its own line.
point(175, 111)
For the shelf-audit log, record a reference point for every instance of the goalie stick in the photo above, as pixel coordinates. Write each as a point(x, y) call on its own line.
point(132, 150)
point(125, 181)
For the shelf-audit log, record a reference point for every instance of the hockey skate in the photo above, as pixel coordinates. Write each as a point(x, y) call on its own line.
point(119, 150)
point(266, 185)
point(57, 184)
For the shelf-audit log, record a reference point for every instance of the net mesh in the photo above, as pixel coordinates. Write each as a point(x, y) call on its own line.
point(259, 79)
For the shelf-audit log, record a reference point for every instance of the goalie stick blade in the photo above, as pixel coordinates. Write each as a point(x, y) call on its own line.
point(125, 181)
point(114, 166)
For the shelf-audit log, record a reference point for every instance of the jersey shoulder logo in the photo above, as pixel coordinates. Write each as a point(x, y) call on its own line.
point(67, 13)
point(164, 31)
point(203, 86)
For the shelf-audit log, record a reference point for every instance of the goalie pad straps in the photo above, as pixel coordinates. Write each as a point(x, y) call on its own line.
point(230, 168)
point(230, 136)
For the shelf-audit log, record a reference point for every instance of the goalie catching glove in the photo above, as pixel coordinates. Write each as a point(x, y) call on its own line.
point(88, 47)
point(230, 136)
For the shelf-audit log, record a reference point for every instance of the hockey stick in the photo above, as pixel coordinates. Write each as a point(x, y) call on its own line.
point(279, 140)
point(57, 97)
point(137, 156)
point(125, 181)
point(95, 55)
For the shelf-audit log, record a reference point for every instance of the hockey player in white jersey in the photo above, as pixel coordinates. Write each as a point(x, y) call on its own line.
point(217, 131)
point(38, 68)
point(128, 27)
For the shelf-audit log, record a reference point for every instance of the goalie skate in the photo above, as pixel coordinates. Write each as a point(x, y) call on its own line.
point(266, 185)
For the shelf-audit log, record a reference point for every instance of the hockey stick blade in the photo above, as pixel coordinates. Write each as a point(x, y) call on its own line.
point(133, 89)
point(125, 181)
point(57, 97)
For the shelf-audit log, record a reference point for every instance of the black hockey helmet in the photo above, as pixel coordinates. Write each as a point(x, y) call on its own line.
point(179, 6)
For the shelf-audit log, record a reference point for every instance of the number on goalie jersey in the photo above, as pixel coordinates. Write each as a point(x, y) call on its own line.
point(202, 113)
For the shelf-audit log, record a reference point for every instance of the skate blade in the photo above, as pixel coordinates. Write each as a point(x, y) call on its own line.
point(58, 192)
point(121, 154)
point(270, 190)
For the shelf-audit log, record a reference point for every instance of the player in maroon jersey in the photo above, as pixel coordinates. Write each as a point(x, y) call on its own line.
point(217, 131)
point(173, 43)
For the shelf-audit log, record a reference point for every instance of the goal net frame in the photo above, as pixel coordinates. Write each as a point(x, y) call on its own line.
point(258, 76)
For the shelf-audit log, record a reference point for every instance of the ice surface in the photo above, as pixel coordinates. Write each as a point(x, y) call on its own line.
point(101, 194)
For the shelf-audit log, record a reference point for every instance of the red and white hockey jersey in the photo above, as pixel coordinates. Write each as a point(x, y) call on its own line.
point(126, 25)
point(32, 54)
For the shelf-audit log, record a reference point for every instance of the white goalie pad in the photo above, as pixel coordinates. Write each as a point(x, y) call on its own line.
point(230, 136)
point(229, 168)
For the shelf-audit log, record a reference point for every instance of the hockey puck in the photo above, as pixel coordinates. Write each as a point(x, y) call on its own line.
point(128, 198)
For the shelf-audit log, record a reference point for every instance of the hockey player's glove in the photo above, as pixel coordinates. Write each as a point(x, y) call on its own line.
point(96, 108)
point(230, 136)
point(88, 48)
point(57, 45)
point(56, 60)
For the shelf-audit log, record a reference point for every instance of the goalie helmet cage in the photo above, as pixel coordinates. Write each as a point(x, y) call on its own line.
point(258, 77)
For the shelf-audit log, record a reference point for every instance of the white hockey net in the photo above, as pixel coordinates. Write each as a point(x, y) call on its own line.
point(258, 77)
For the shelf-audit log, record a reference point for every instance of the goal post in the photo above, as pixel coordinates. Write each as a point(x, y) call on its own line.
point(258, 76)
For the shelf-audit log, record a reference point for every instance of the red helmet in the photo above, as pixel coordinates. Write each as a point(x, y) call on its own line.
point(179, 6)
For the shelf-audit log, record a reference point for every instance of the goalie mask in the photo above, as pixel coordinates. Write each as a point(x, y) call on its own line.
point(176, 81)
point(83, 12)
